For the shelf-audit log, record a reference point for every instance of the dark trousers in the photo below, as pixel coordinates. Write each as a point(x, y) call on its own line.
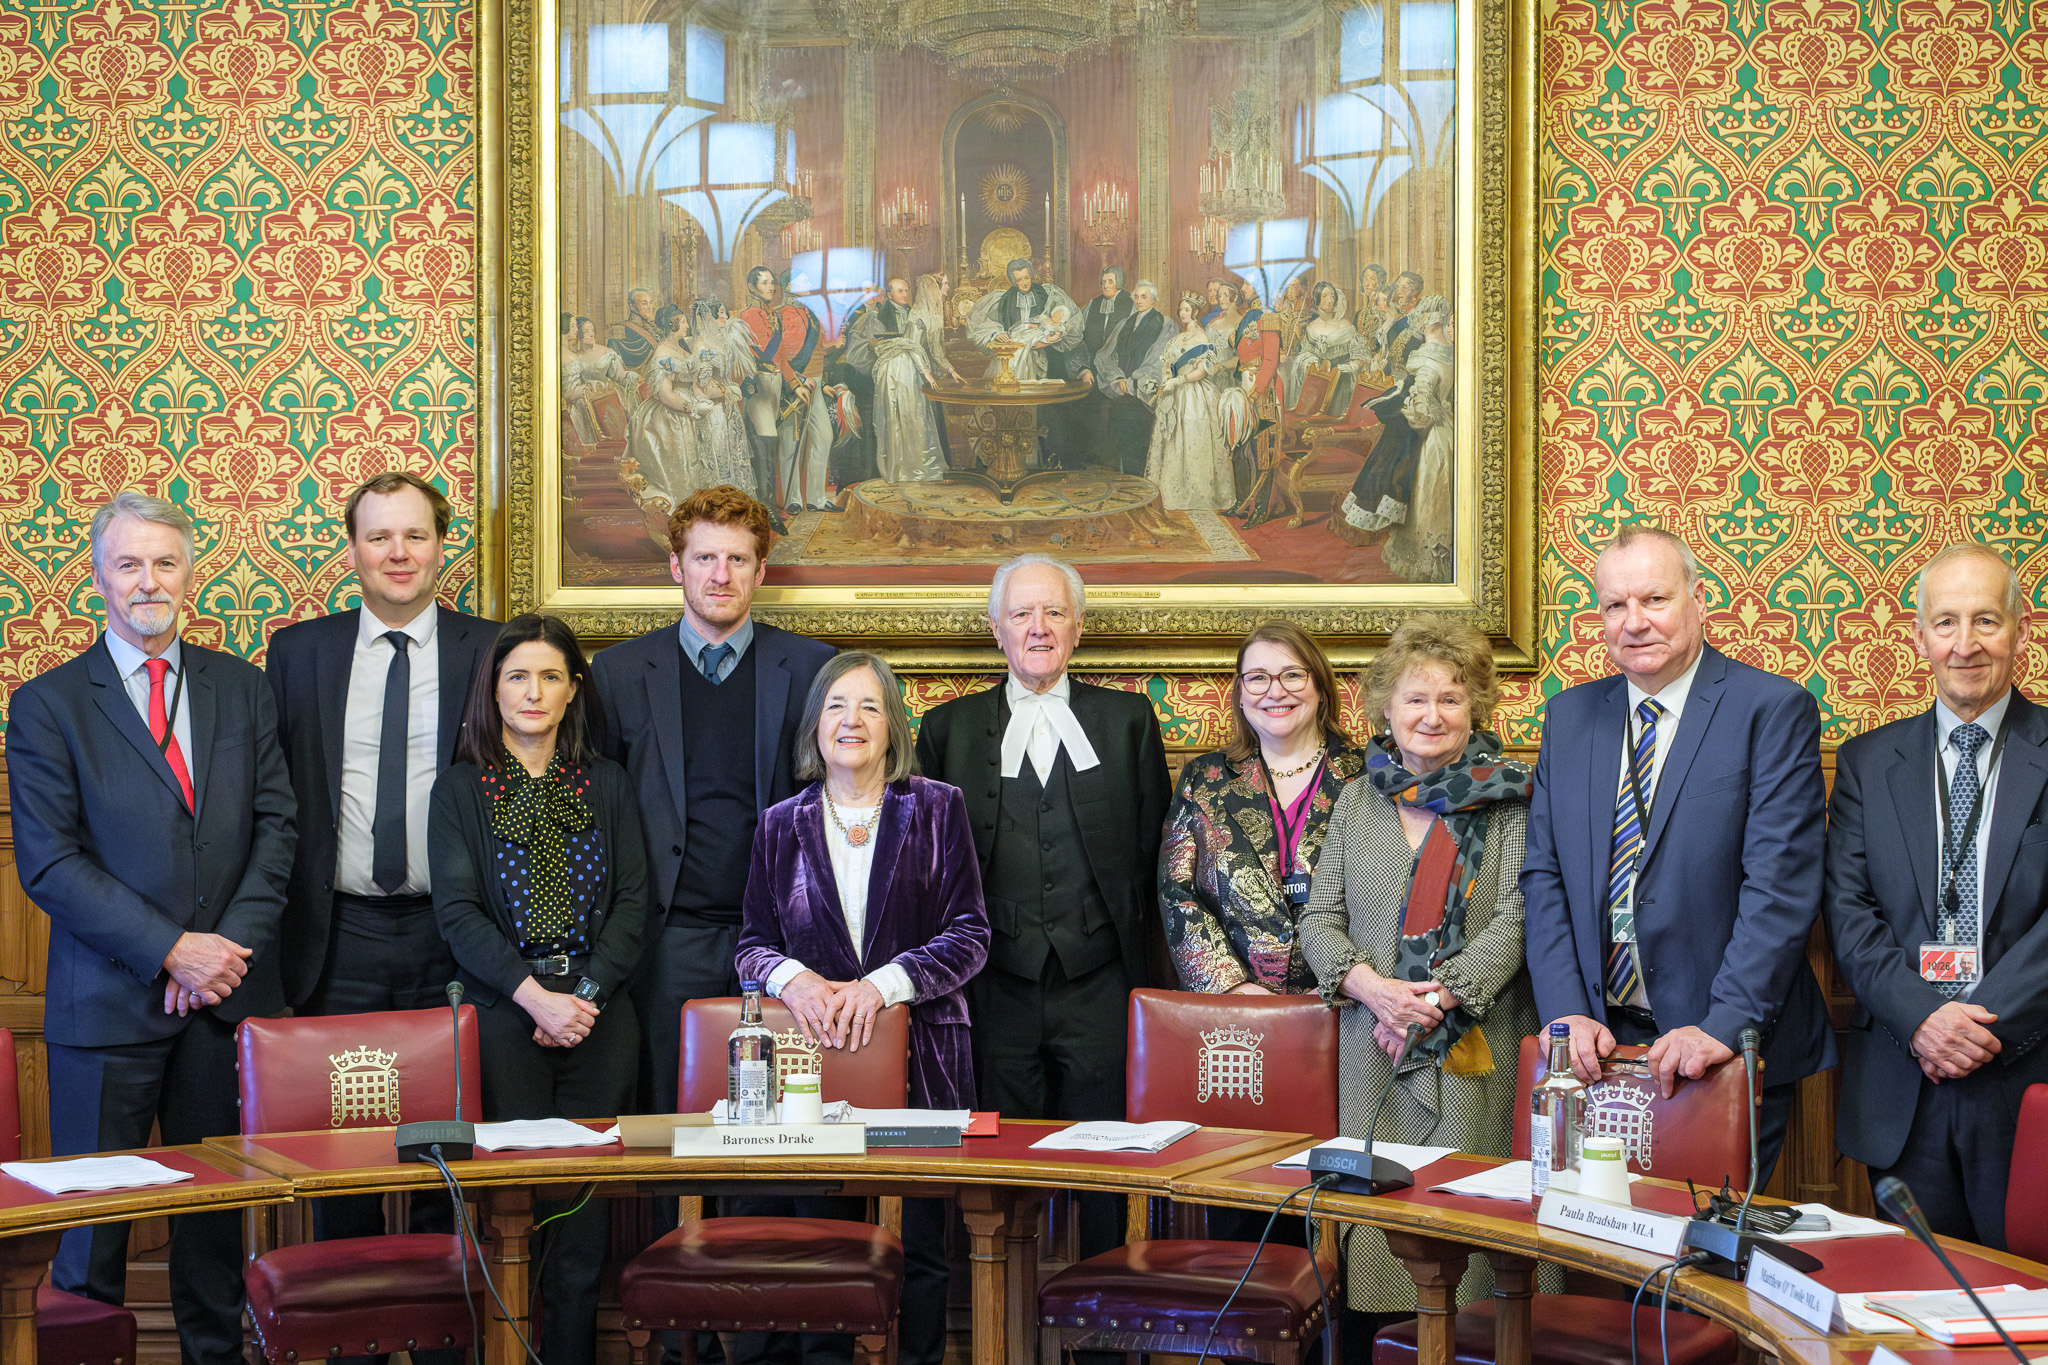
point(1054, 1049)
point(1957, 1157)
point(594, 1079)
point(690, 958)
point(104, 1099)
point(384, 954)
point(1773, 1110)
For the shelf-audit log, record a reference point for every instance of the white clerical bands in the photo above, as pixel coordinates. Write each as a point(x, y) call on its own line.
point(1049, 721)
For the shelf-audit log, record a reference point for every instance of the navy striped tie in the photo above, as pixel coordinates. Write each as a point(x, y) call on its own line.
point(1624, 974)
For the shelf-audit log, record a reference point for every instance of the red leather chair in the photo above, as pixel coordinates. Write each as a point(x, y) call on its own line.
point(1700, 1134)
point(773, 1274)
point(358, 1295)
point(70, 1329)
point(2026, 1190)
point(1227, 1061)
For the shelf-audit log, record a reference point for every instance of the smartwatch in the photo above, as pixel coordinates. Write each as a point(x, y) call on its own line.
point(589, 990)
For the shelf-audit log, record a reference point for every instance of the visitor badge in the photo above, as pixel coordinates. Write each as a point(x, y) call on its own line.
point(1949, 962)
point(1296, 888)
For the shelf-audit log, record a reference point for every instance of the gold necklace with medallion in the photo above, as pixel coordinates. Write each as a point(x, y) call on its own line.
point(860, 831)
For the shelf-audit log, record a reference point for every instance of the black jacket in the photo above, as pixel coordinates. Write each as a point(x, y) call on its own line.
point(308, 666)
point(470, 905)
point(1883, 876)
point(1120, 804)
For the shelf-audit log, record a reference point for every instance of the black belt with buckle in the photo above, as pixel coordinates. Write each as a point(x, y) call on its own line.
point(557, 964)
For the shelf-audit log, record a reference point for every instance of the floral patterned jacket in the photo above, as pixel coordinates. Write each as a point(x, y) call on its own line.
point(1227, 920)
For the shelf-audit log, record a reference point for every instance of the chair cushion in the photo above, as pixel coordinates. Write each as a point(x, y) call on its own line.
point(359, 1296)
point(767, 1275)
point(1177, 1286)
point(1571, 1329)
point(76, 1331)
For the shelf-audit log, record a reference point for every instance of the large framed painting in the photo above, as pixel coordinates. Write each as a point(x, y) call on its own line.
point(1227, 302)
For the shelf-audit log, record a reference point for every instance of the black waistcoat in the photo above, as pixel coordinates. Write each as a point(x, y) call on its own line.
point(1040, 888)
point(718, 779)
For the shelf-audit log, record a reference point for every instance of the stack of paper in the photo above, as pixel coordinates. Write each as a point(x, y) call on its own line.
point(529, 1134)
point(1948, 1316)
point(1861, 1318)
point(93, 1173)
point(1510, 1181)
point(1107, 1136)
point(1406, 1153)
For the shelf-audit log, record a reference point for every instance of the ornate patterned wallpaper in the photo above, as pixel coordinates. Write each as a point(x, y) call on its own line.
point(236, 269)
point(1794, 289)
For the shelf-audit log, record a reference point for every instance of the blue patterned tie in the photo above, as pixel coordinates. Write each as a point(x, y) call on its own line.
point(1624, 976)
point(1960, 927)
point(713, 659)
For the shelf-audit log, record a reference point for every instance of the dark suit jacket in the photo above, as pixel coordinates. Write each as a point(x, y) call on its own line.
point(309, 666)
point(1120, 803)
point(1883, 876)
point(1731, 874)
point(104, 844)
point(643, 705)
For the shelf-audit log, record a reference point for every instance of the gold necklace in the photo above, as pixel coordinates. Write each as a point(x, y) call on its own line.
point(858, 833)
point(1313, 759)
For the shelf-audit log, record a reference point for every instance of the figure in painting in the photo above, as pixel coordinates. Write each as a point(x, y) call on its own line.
point(1381, 498)
point(1397, 336)
point(1371, 280)
point(789, 423)
point(1329, 339)
point(1127, 376)
point(1419, 549)
point(591, 373)
point(640, 333)
point(1021, 313)
point(1189, 459)
point(895, 345)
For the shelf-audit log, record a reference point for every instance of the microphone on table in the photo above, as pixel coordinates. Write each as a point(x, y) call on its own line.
point(1897, 1200)
point(1363, 1172)
point(1727, 1246)
point(1750, 1041)
point(450, 1140)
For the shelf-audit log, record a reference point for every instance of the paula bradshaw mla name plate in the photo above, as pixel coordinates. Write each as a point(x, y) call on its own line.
point(1631, 1227)
point(773, 1139)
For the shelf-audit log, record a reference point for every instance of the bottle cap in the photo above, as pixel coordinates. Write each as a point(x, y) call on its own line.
point(748, 987)
point(1560, 1030)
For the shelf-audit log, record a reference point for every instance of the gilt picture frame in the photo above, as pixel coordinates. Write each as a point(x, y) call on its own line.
point(696, 214)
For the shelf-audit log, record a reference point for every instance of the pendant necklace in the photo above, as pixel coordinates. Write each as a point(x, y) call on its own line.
point(856, 833)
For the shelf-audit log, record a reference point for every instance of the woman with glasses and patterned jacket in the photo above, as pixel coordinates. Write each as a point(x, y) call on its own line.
point(1247, 826)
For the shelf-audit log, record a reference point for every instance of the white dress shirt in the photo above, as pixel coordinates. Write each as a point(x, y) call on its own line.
point(1945, 723)
point(1672, 699)
point(1040, 722)
point(362, 739)
point(851, 865)
point(133, 666)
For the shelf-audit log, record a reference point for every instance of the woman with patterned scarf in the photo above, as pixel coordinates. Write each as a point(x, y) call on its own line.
point(540, 887)
point(1414, 920)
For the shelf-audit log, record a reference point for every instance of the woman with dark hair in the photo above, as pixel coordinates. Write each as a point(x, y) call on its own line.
point(865, 891)
point(1247, 827)
point(540, 888)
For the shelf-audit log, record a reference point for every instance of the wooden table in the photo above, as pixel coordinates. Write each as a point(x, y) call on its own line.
point(31, 1223)
point(999, 1180)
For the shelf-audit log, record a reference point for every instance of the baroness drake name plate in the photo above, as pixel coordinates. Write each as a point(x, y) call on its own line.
point(772, 1139)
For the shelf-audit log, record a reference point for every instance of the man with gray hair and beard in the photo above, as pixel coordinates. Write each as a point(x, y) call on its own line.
point(1066, 791)
point(153, 822)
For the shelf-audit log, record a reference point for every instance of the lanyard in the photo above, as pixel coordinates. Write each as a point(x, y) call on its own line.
point(1635, 787)
point(163, 746)
point(1953, 849)
point(1290, 832)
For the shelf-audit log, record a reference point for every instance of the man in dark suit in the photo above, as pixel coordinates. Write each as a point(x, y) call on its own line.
point(153, 822)
point(367, 725)
point(1675, 845)
point(1067, 790)
point(1937, 879)
point(1127, 384)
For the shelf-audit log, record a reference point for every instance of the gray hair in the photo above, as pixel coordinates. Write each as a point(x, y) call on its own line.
point(1147, 286)
point(1016, 264)
point(1635, 531)
point(810, 761)
point(2015, 596)
point(1117, 271)
point(1077, 591)
point(142, 507)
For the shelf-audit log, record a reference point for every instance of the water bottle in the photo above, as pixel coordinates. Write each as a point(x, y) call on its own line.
point(750, 1063)
point(1556, 1108)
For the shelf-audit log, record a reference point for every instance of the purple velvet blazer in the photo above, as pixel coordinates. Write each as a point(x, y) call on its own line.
point(924, 913)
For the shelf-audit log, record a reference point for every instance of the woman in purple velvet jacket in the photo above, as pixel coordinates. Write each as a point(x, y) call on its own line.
point(864, 892)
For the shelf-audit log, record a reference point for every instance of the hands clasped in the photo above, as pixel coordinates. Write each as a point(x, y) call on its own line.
point(559, 1020)
point(1396, 1005)
point(205, 969)
point(835, 1013)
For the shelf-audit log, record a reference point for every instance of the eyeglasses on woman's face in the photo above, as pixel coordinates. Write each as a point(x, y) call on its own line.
point(1259, 682)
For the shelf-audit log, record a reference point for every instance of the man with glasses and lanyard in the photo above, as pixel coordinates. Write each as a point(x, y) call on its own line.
point(1937, 876)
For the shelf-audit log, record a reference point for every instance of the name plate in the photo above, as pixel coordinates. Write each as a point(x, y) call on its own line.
point(1804, 1297)
point(1564, 1211)
point(773, 1139)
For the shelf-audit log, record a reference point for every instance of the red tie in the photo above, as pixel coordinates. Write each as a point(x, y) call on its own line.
point(158, 726)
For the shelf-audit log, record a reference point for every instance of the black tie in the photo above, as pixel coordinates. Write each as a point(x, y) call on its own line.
point(387, 866)
point(714, 657)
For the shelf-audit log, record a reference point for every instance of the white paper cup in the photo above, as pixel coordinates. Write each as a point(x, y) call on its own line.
point(1603, 1170)
point(801, 1098)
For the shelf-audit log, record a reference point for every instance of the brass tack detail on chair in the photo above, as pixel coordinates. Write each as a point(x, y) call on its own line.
point(373, 1348)
point(411, 1345)
point(448, 1340)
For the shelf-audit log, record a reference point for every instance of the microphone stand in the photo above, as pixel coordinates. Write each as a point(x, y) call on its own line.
point(450, 1140)
point(1898, 1201)
point(1726, 1249)
point(1362, 1172)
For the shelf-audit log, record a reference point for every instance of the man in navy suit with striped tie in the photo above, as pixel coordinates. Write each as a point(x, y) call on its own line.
point(1676, 844)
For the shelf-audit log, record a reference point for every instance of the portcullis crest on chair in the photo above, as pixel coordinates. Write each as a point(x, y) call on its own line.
point(1619, 1107)
point(365, 1086)
point(1231, 1065)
